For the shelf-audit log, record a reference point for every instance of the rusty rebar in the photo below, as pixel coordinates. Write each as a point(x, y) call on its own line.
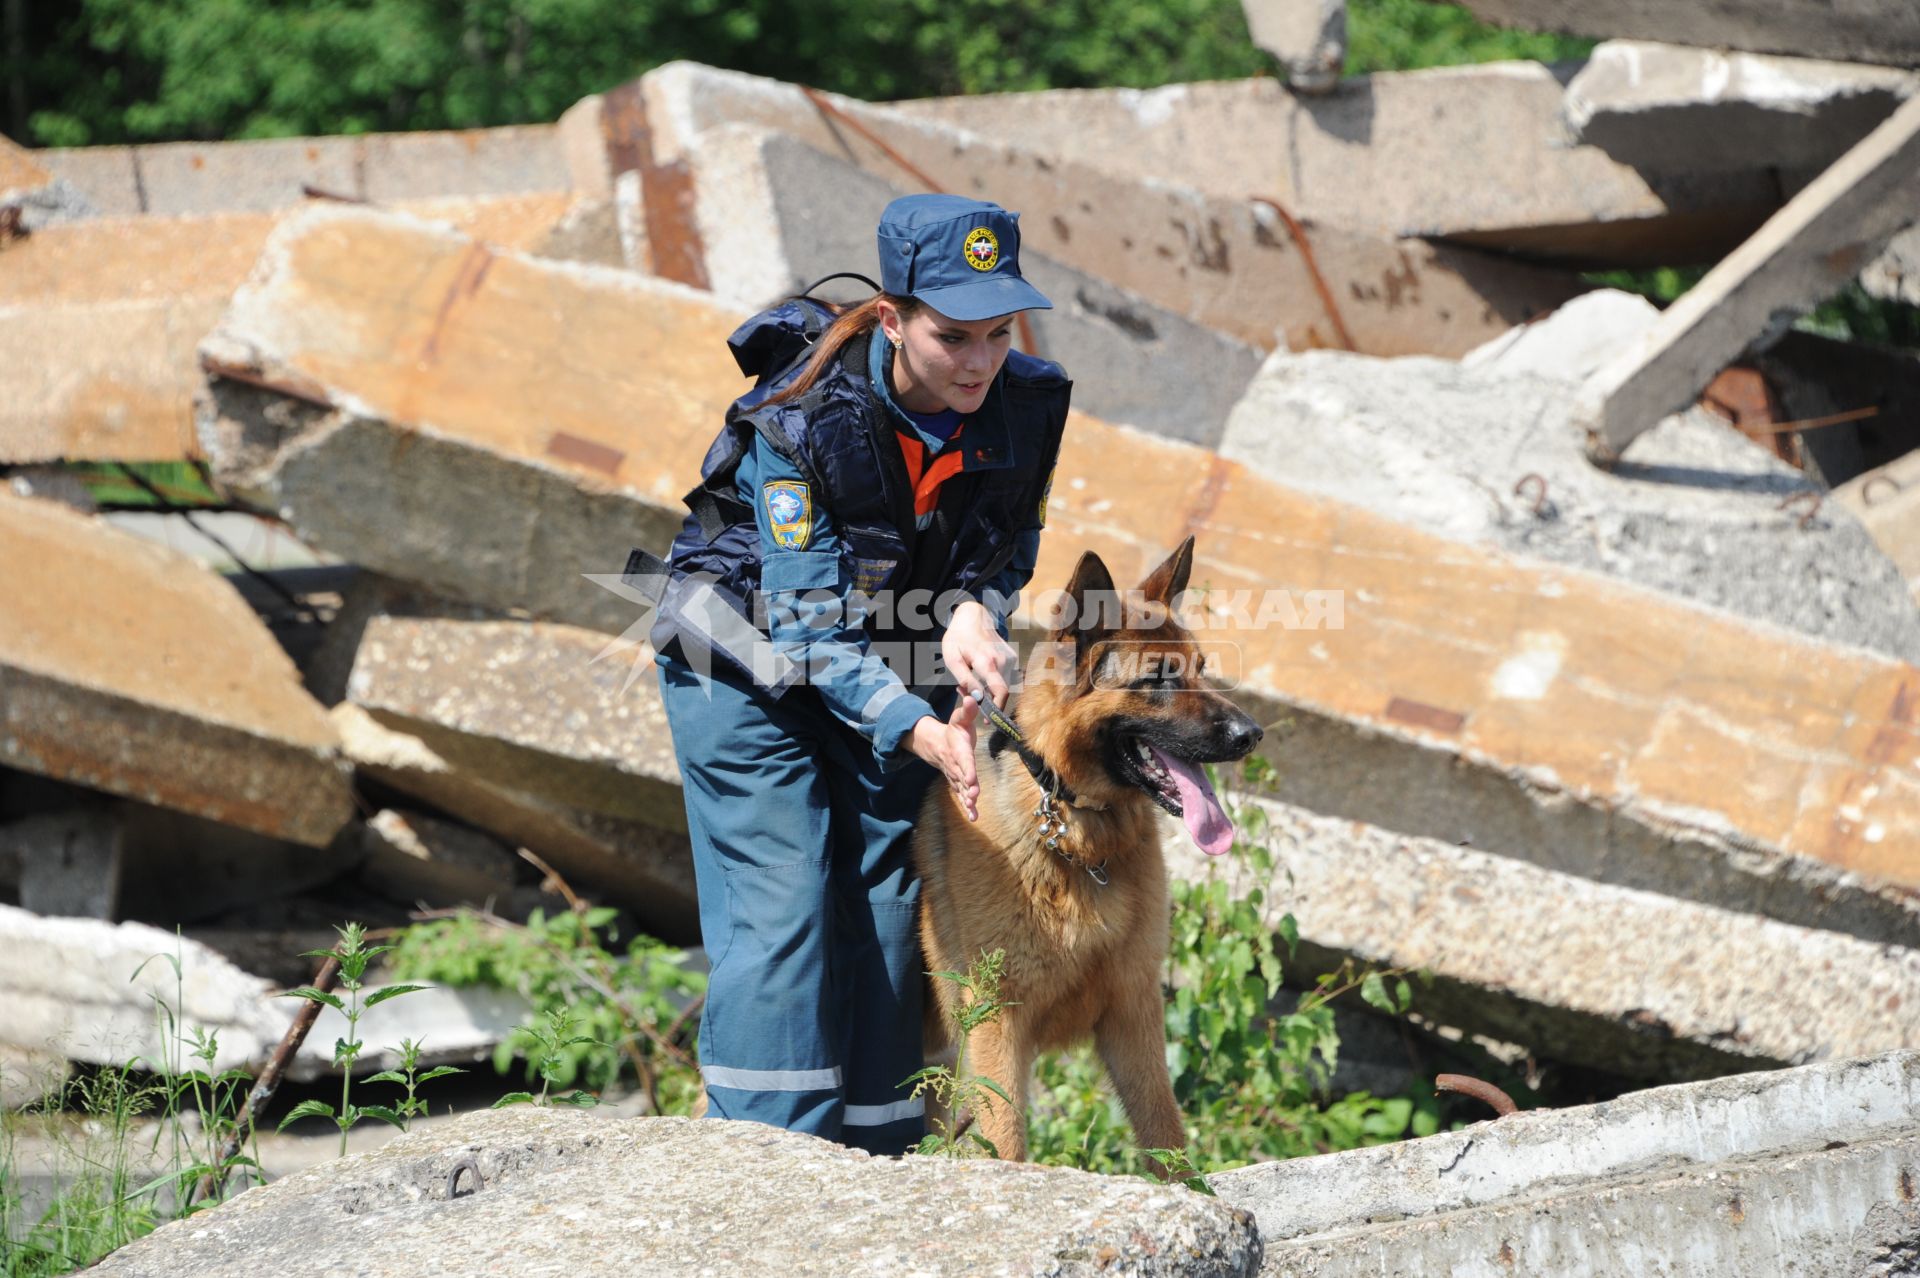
point(1538, 483)
point(1299, 233)
point(1815, 497)
point(1467, 1085)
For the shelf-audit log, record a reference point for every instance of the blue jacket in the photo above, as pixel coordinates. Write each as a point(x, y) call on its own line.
point(803, 515)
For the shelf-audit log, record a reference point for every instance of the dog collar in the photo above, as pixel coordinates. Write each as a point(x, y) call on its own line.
point(1052, 826)
point(1006, 733)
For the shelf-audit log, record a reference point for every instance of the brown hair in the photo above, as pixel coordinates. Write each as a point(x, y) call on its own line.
point(849, 322)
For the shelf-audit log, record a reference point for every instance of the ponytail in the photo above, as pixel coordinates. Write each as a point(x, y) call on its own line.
point(849, 322)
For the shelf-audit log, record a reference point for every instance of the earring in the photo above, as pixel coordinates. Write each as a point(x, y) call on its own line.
point(895, 341)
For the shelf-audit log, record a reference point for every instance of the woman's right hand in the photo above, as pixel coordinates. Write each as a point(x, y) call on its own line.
point(949, 747)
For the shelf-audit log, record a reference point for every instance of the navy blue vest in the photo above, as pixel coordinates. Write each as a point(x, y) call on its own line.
point(840, 435)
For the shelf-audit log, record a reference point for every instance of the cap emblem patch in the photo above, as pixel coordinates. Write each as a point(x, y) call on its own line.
point(982, 249)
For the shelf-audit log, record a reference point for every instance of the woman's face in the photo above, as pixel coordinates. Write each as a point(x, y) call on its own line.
point(945, 363)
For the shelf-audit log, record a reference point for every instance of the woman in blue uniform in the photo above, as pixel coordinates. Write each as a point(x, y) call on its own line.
point(876, 499)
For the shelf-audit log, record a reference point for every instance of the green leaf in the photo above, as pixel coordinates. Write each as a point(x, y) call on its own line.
point(1290, 933)
point(578, 1099)
point(313, 995)
point(439, 1071)
point(386, 1076)
point(306, 1109)
point(380, 996)
point(996, 1089)
point(1373, 992)
point(383, 1113)
point(513, 1098)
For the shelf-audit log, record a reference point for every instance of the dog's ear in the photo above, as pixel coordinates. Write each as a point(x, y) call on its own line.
point(1166, 582)
point(1090, 609)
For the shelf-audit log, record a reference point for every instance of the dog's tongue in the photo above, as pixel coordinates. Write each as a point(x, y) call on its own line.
point(1206, 819)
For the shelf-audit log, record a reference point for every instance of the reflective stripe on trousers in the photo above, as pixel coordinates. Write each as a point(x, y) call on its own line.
point(812, 1019)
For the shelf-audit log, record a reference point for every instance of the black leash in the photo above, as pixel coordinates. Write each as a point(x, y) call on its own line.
point(1052, 788)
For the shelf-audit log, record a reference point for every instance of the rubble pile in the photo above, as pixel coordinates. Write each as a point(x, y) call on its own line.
point(1613, 730)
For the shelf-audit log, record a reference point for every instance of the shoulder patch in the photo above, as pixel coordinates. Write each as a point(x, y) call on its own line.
point(789, 512)
point(1046, 493)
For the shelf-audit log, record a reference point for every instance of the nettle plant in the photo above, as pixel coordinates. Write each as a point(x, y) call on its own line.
point(353, 954)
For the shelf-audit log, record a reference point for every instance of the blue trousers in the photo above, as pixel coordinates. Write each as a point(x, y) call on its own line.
point(807, 897)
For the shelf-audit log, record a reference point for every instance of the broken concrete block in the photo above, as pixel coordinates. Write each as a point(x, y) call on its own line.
point(26, 1077)
point(1748, 1175)
point(1537, 711)
point(1879, 31)
point(521, 159)
point(103, 317)
point(1887, 501)
point(645, 868)
point(1480, 452)
point(1804, 253)
point(775, 215)
point(182, 179)
point(1570, 343)
point(31, 197)
point(721, 1196)
point(1696, 991)
point(1669, 109)
point(1894, 276)
point(472, 471)
point(549, 709)
point(1477, 155)
point(85, 990)
point(70, 862)
point(1307, 37)
point(1231, 264)
point(413, 857)
point(132, 669)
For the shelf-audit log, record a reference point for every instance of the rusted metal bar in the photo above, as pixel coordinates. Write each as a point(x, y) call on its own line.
point(1480, 1091)
point(1299, 234)
point(834, 114)
point(269, 1081)
point(1814, 423)
point(1812, 498)
point(1538, 483)
point(313, 192)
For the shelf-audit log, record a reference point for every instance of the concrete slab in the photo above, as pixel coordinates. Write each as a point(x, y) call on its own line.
point(1476, 155)
point(103, 318)
point(70, 862)
point(1804, 254)
point(413, 857)
point(134, 670)
point(1228, 264)
point(1886, 500)
point(31, 197)
point(1484, 453)
point(1894, 276)
point(181, 179)
point(1667, 108)
point(472, 474)
point(647, 869)
point(775, 215)
point(1534, 956)
point(1535, 709)
point(1531, 709)
point(1785, 1173)
point(722, 1197)
point(89, 991)
point(1879, 31)
point(519, 159)
point(1308, 38)
point(537, 706)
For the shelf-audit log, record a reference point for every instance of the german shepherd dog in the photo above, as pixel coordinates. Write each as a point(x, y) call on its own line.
point(1063, 870)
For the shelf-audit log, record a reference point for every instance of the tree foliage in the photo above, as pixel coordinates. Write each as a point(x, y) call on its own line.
point(99, 71)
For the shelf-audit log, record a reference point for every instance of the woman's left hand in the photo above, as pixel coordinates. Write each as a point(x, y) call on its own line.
point(976, 654)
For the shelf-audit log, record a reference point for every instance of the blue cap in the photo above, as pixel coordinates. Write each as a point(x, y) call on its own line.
point(959, 256)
